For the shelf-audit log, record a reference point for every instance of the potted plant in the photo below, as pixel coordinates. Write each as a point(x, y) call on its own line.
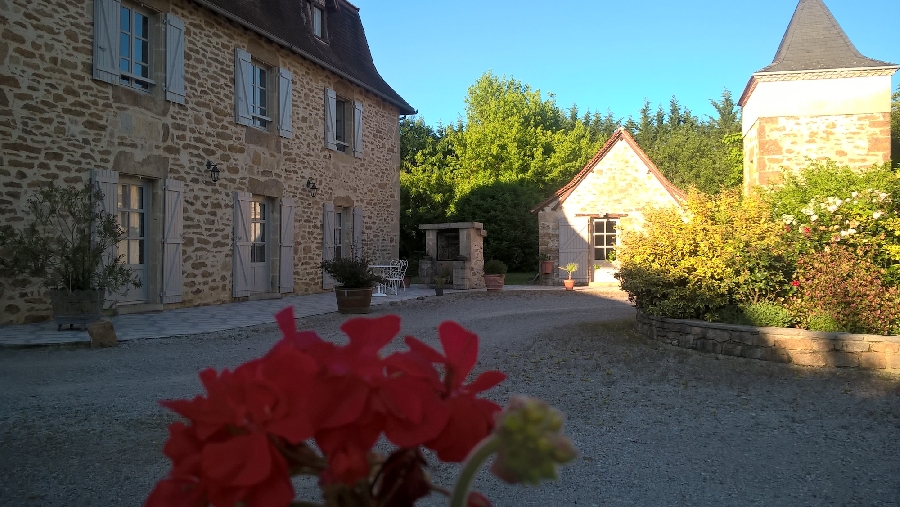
point(570, 268)
point(69, 242)
point(440, 281)
point(356, 279)
point(494, 274)
point(546, 264)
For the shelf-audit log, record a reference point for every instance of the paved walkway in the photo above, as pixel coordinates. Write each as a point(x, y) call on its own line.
point(202, 319)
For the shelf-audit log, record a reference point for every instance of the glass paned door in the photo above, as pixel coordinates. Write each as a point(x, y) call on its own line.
point(259, 252)
point(134, 208)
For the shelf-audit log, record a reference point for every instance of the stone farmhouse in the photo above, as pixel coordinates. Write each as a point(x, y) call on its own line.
point(580, 222)
point(819, 98)
point(147, 99)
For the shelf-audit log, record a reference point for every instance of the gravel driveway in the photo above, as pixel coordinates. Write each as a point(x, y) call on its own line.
point(655, 425)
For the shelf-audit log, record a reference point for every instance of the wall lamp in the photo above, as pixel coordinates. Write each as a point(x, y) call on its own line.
point(213, 171)
point(311, 187)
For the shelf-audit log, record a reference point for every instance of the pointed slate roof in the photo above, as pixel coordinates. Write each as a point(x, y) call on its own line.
point(620, 134)
point(815, 41)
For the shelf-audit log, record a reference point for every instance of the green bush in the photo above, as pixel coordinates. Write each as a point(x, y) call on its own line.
point(839, 285)
point(721, 250)
point(494, 267)
point(767, 314)
point(823, 322)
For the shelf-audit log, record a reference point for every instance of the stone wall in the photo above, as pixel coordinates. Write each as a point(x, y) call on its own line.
point(783, 345)
point(774, 143)
point(57, 124)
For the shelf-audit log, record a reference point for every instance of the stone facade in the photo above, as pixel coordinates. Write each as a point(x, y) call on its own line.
point(58, 124)
point(783, 345)
point(615, 185)
point(787, 124)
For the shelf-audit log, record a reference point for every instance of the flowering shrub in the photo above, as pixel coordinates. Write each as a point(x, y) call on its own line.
point(837, 290)
point(253, 429)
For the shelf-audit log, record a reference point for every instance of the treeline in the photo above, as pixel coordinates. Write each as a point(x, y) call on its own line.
point(516, 148)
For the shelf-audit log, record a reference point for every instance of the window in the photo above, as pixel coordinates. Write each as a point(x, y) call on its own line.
point(259, 96)
point(604, 237)
point(134, 48)
point(338, 235)
point(257, 231)
point(318, 18)
point(126, 40)
point(255, 99)
point(343, 124)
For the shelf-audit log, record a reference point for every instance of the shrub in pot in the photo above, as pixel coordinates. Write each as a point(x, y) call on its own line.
point(494, 274)
point(570, 268)
point(69, 242)
point(355, 279)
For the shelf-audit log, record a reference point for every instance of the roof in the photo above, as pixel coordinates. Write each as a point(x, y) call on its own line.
point(346, 53)
point(620, 134)
point(815, 41)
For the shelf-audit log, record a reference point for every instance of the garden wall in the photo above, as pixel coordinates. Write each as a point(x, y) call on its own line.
point(783, 345)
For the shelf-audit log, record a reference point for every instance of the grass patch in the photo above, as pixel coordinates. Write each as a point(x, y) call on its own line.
point(519, 278)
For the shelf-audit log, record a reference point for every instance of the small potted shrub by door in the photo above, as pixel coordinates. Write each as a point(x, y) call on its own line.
point(570, 268)
point(494, 274)
point(546, 264)
point(70, 243)
point(440, 281)
point(356, 279)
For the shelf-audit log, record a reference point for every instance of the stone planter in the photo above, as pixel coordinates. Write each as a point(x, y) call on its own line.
point(494, 282)
point(353, 301)
point(76, 308)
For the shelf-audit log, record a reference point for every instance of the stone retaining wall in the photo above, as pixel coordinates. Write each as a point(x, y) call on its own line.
point(783, 345)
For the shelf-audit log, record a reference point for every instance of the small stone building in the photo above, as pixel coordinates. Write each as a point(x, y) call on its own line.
point(819, 98)
point(136, 97)
point(582, 221)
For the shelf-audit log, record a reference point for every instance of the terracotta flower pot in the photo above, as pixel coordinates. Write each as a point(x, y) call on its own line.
point(353, 300)
point(546, 267)
point(494, 282)
point(569, 283)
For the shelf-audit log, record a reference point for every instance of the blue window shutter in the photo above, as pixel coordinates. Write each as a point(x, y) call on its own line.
point(174, 59)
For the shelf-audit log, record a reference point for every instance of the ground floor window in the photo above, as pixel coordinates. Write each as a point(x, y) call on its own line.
point(605, 237)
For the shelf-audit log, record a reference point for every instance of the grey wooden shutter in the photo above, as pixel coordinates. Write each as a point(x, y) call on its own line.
point(357, 231)
point(174, 59)
point(327, 241)
point(241, 259)
point(330, 113)
point(172, 241)
point(106, 40)
point(574, 246)
point(242, 87)
point(108, 183)
point(357, 129)
point(285, 82)
point(286, 253)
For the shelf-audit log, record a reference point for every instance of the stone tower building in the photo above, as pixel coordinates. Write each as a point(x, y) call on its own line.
point(819, 98)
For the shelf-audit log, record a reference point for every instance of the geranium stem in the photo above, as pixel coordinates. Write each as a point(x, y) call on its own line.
point(477, 457)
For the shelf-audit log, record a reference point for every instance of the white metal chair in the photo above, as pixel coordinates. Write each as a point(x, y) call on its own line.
point(394, 276)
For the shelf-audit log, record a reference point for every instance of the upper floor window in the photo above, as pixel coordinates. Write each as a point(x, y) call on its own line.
point(126, 38)
point(343, 124)
point(262, 94)
point(318, 21)
point(259, 96)
point(134, 48)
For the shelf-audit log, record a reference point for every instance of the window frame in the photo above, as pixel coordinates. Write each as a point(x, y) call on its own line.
point(258, 119)
point(343, 118)
point(603, 233)
point(317, 13)
point(129, 78)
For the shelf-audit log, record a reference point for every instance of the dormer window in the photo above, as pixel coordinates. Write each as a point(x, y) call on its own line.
point(318, 21)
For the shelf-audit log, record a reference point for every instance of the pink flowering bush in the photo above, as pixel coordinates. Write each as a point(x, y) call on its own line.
point(254, 429)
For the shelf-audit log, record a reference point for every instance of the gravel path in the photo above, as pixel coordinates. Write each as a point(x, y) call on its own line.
point(655, 425)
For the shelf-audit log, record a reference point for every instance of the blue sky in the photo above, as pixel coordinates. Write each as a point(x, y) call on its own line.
point(599, 54)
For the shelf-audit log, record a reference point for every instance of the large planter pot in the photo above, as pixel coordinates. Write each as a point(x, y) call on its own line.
point(353, 300)
point(546, 267)
point(76, 308)
point(494, 282)
point(570, 284)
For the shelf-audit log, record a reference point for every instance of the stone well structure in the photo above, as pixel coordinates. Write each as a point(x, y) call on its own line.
point(458, 248)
